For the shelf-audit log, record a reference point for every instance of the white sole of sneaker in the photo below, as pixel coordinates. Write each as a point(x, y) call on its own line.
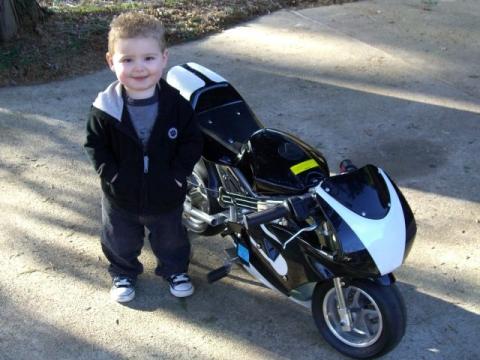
point(183, 293)
point(124, 298)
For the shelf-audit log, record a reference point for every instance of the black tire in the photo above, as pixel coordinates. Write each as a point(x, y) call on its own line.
point(388, 329)
point(197, 189)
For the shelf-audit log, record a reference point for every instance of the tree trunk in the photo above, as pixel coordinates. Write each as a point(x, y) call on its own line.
point(16, 14)
point(8, 20)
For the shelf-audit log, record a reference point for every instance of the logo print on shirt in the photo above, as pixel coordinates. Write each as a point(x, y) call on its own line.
point(172, 133)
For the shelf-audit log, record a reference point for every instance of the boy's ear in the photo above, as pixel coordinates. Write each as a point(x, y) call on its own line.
point(109, 59)
point(165, 55)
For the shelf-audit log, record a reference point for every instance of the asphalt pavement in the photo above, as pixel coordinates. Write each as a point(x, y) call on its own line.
point(392, 83)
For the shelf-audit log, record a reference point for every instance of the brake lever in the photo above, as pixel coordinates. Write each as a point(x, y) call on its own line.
point(294, 236)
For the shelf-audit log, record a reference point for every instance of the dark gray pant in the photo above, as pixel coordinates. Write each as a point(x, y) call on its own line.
point(123, 235)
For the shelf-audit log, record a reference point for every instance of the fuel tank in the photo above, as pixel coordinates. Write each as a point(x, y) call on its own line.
point(280, 163)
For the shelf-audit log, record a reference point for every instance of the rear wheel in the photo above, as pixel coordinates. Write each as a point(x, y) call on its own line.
point(198, 197)
point(378, 318)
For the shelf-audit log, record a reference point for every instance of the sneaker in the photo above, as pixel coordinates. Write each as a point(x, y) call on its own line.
point(180, 285)
point(123, 289)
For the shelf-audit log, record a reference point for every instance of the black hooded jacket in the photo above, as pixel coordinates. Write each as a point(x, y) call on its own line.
point(143, 181)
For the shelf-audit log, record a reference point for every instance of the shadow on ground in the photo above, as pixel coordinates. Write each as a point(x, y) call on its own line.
point(50, 196)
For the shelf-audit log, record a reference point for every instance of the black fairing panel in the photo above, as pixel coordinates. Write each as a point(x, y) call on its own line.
point(297, 271)
point(410, 224)
point(226, 128)
point(363, 191)
point(270, 156)
point(351, 252)
point(225, 119)
point(214, 95)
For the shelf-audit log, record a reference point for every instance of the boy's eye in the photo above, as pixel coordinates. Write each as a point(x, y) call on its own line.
point(125, 60)
point(150, 58)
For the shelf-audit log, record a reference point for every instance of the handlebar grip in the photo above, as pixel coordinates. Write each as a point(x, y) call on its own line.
point(265, 216)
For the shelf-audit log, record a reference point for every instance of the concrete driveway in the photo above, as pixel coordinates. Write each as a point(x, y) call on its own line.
point(392, 83)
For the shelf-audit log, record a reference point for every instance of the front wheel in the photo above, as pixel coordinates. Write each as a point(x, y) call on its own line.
point(378, 318)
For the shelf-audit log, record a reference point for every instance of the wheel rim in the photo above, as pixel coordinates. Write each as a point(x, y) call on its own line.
point(367, 321)
point(196, 198)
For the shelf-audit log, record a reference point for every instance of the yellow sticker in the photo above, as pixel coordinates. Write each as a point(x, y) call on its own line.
point(303, 166)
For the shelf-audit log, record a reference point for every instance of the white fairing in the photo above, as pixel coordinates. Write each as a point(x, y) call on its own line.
point(207, 72)
point(279, 264)
point(256, 274)
point(188, 82)
point(185, 81)
point(384, 238)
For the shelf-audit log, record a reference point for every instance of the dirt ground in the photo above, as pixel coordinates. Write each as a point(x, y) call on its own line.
point(381, 82)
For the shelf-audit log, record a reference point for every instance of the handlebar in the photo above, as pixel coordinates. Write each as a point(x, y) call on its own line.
point(300, 207)
point(265, 216)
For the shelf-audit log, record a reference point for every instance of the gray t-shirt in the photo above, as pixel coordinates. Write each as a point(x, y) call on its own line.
point(143, 113)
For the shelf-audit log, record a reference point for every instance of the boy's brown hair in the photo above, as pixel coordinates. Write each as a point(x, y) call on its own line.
point(134, 24)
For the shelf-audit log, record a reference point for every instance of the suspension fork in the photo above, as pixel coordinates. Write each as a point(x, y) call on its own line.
point(343, 311)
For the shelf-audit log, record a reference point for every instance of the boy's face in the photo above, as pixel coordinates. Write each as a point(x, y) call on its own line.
point(138, 64)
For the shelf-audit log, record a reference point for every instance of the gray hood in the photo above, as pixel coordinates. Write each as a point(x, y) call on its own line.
point(110, 100)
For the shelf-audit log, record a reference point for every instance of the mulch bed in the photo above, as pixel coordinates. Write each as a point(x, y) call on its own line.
point(72, 39)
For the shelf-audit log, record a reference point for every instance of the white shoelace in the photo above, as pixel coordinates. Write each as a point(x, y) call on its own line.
point(180, 278)
point(122, 282)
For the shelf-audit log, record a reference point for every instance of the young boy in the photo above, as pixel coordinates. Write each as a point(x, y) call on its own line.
point(143, 140)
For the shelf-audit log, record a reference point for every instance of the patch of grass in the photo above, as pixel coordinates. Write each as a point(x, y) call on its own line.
point(91, 9)
point(72, 40)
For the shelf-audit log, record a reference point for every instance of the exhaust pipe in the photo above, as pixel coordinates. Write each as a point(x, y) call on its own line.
point(212, 220)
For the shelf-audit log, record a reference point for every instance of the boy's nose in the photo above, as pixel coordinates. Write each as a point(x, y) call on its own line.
point(138, 66)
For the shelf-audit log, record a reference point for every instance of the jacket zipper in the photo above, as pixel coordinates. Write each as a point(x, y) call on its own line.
point(145, 163)
point(144, 198)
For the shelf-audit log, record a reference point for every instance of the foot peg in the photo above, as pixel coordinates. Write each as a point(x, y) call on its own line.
point(223, 271)
point(219, 273)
